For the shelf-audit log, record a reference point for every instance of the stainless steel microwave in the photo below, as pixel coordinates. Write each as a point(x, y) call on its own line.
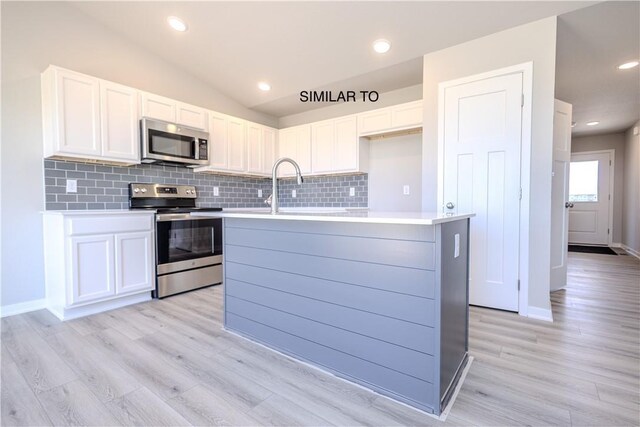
point(164, 142)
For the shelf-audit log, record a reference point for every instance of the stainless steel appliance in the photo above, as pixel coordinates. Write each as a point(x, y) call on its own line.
point(188, 248)
point(164, 142)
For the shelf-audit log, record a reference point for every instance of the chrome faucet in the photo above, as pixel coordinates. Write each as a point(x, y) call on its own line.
point(274, 177)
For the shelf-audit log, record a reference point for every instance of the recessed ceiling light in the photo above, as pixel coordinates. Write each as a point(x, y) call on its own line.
point(381, 46)
point(628, 65)
point(592, 123)
point(573, 124)
point(264, 86)
point(177, 23)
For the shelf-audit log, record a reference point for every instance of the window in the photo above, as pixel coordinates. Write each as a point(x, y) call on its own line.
point(583, 181)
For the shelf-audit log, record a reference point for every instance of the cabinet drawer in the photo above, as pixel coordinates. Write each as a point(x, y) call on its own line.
point(109, 224)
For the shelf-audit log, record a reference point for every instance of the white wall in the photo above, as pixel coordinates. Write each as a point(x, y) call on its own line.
point(35, 35)
point(393, 97)
point(609, 141)
point(393, 163)
point(631, 198)
point(531, 42)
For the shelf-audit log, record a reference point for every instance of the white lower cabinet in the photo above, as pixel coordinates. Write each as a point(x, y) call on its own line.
point(97, 261)
point(92, 268)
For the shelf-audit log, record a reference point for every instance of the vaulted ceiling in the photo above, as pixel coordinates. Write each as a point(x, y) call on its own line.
point(327, 46)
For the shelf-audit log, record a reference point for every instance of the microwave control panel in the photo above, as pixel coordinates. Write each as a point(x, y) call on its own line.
point(203, 151)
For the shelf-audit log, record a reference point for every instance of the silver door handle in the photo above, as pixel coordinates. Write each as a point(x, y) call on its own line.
point(213, 240)
point(450, 205)
point(568, 205)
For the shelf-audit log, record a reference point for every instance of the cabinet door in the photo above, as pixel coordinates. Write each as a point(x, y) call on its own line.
point(322, 144)
point(406, 115)
point(134, 262)
point(92, 268)
point(119, 122)
point(304, 149)
point(158, 107)
point(191, 116)
point(287, 147)
point(254, 148)
point(269, 149)
point(218, 157)
point(374, 121)
point(346, 145)
point(78, 114)
point(236, 144)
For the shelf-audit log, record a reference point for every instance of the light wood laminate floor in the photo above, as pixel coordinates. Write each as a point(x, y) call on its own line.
point(169, 363)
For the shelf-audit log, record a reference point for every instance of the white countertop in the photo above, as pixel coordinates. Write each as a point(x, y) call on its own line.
point(101, 212)
point(338, 215)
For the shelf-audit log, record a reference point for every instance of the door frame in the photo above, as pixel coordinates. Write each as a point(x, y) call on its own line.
point(526, 69)
point(612, 166)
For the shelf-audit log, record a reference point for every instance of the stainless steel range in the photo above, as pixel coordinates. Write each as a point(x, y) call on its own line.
point(188, 248)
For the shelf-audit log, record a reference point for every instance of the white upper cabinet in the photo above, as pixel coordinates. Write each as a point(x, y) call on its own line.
point(323, 140)
point(261, 143)
point(169, 110)
point(119, 122)
point(336, 146)
point(295, 143)
point(374, 121)
point(71, 114)
point(236, 144)
point(394, 118)
point(346, 153)
point(158, 107)
point(88, 118)
point(269, 144)
point(218, 158)
point(191, 116)
point(408, 115)
point(255, 140)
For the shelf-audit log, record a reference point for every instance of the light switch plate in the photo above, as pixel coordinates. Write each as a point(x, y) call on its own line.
point(216, 191)
point(294, 194)
point(456, 250)
point(352, 192)
point(72, 186)
point(259, 193)
point(406, 190)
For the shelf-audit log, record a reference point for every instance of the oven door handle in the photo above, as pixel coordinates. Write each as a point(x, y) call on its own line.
point(213, 240)
point(181, 217)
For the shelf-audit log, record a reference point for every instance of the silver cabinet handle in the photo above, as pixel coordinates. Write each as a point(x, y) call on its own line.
point(450, 205)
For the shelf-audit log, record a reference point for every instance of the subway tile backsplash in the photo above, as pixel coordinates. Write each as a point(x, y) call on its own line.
point(106, 187)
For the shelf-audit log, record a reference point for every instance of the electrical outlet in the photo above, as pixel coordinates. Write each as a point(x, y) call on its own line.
point(406, 190)
point(352, 192)
point(259, 193)
point(216, 191)
point(294, 194)
point(635, 130)
point(72, 186)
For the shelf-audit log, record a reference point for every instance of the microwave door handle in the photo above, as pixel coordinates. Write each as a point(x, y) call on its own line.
point(196, 151)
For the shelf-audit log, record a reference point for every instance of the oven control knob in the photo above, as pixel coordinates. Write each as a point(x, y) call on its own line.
point(136, 190)
point(144, 190)
point(188, 191)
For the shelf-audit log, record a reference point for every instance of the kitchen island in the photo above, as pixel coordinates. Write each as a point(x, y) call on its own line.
point(380, 299)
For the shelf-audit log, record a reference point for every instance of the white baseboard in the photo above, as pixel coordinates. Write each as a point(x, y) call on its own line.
point(23, 307)
point(630, 251)
point(540, 313)
point(615, 245)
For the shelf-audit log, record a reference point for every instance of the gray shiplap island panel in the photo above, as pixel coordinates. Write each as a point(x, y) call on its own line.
point(383, 305)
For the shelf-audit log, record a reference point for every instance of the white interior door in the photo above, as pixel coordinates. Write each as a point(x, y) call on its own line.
point(482, 139)
point(589, 195)
point(560, 194)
